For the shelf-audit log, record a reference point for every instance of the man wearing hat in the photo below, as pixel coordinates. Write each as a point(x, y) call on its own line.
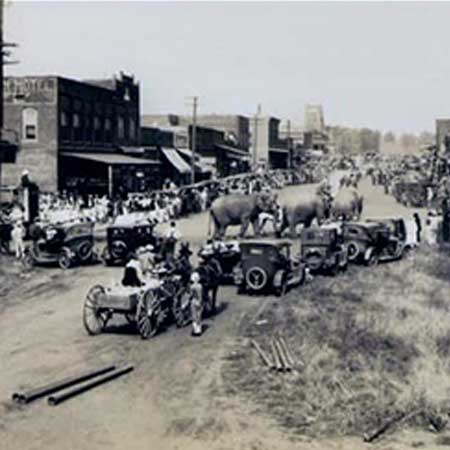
point(183, 263)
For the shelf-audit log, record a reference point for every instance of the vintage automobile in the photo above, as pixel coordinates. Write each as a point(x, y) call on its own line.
point(267, 266)
point(227, 255)
point(148, 307)
point(64, 244)
point(398, 246)
point(322, 250)
point(370, 242)
point(121, 240)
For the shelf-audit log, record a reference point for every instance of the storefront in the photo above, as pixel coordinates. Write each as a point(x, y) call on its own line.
point(107, 173)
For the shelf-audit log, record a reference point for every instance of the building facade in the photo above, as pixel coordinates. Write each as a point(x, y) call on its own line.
point(58, 118)
point(314, 118)
point(268, 149)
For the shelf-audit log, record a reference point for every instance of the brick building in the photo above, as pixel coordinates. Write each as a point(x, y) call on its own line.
point(77, 135)
point(216, 148)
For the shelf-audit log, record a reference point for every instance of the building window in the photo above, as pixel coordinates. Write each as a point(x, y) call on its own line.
point(30, 124)
point(108, 124)
point(132, 129)
point(64, 121)
point(120, 127)
point(97, 123)
point(76, 121)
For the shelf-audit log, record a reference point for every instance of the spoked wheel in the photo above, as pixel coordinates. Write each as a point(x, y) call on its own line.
point(94, 319)
point(256, 278)
point(181, 309)
point(149, 309)
point(65, 259)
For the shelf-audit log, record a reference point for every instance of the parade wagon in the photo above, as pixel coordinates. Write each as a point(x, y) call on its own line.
point(148, 308)
point(122, 240)
point(267, 266)
point(63, 244)
point(322, 250)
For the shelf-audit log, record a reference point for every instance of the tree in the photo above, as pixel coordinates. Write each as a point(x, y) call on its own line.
point(389, 137)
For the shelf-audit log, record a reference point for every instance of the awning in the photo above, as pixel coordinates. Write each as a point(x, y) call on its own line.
point(176, 160)
point(111, 158)
point(202, 164)
point(234, 152)
point(279, 150)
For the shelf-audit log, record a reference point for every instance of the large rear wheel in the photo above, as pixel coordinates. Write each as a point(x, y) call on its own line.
point(149, 309)
point(94, 318)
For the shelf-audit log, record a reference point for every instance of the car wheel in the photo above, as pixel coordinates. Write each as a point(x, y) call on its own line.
point(65, 259)
point(353, 251)
point(372, 260)
point(256, 278)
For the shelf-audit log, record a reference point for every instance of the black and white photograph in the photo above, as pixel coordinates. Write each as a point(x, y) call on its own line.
point(224, 225)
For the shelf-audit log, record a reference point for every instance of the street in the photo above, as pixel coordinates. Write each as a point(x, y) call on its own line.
point(175, 398)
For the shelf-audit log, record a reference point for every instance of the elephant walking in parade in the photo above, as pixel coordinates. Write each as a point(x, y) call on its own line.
point(303, 210)
point(240, 209)
point(348, 204)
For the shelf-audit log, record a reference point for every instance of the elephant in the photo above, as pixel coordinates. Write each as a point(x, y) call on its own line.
point(348, 204)
point(240, 209)
point(304, 210)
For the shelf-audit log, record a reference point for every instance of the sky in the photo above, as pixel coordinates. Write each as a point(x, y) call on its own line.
point(379, 65)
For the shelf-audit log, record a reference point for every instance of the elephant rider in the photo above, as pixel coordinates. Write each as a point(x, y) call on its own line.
point(196, 302)
point(133, 276)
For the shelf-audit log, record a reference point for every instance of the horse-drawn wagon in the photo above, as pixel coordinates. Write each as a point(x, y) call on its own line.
point(149, 307)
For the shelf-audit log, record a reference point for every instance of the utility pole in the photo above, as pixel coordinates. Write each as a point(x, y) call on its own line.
point(194, 137)
point(255, 137)
point(3, 54)
point(289, 144)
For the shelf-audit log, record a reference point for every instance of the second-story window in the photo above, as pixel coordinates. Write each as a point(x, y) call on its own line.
point(120, 127)
point(30, 124)
point(132, 129)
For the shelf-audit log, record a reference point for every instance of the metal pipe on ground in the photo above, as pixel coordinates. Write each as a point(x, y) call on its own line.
point(283, 358)
point(262, 354)
point(276, 358)
point(57, 399)
point(33, 394)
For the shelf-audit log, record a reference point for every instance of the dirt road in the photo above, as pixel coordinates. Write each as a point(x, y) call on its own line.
point(174, 399)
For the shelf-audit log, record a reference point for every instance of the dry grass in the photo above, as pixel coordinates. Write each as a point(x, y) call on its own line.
point(374, 342)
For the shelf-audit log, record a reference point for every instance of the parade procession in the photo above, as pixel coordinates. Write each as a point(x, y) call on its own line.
point(215, 240)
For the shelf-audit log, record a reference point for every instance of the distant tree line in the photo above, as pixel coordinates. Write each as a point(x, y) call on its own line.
point(362, 140)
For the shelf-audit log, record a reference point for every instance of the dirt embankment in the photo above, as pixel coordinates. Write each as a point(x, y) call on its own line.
point(364, 354)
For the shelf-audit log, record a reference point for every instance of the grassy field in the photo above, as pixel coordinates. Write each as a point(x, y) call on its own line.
point(371, 344)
